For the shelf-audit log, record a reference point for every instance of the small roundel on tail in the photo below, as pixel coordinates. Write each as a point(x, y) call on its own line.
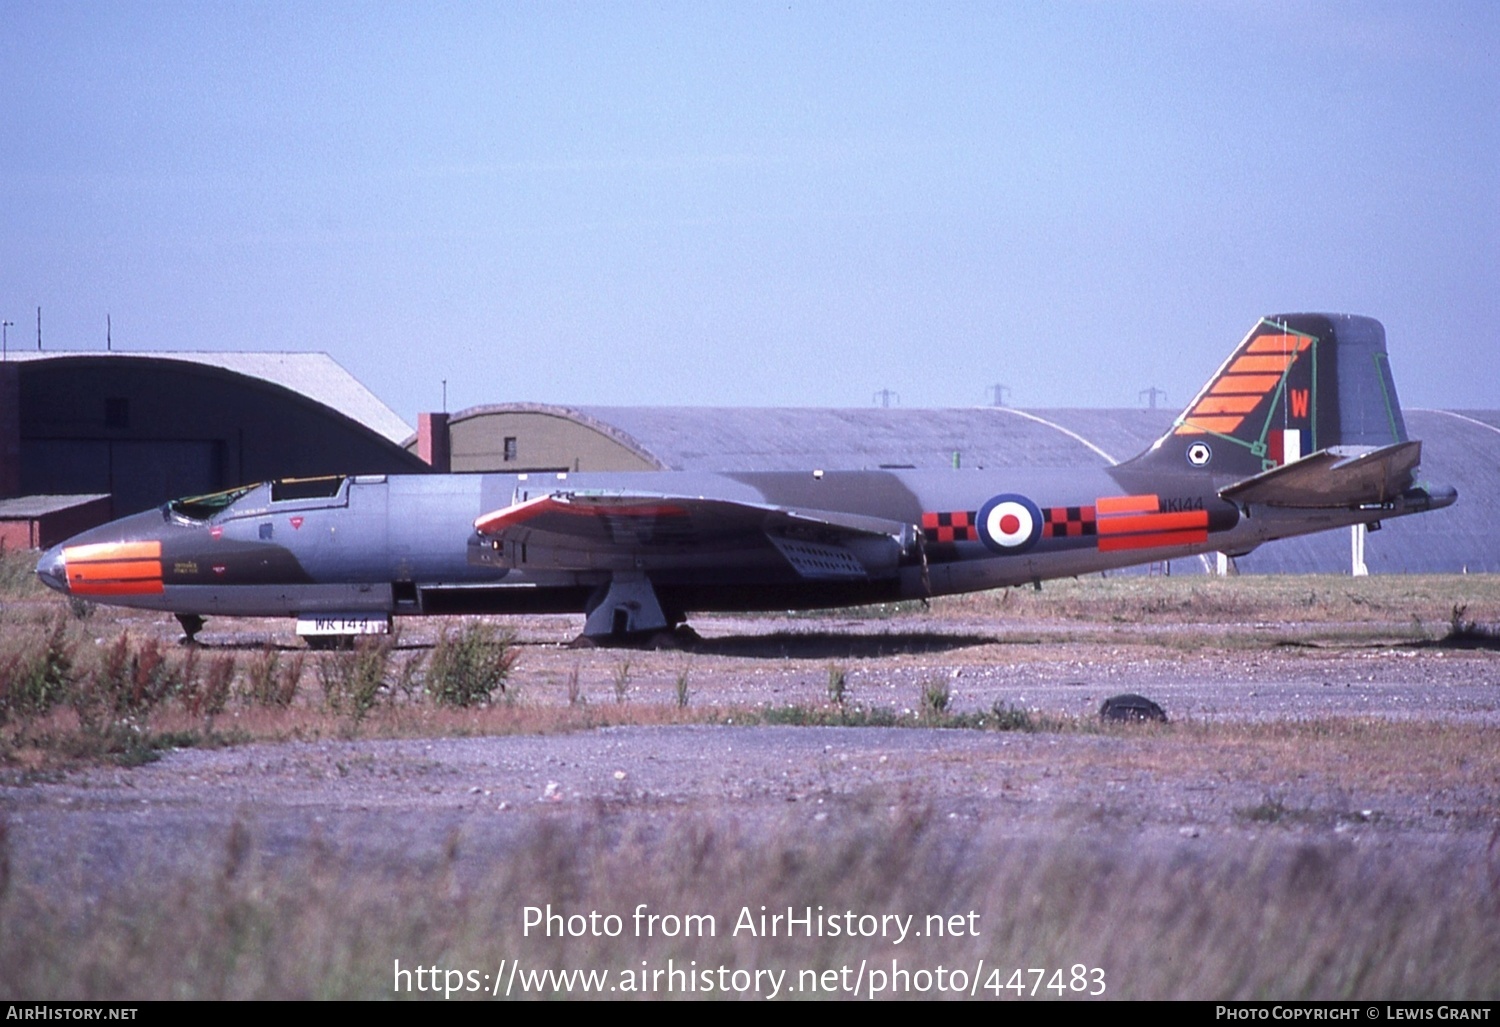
point(1009, 524)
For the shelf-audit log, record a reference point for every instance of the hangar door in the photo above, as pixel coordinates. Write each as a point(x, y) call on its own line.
point(140, 475)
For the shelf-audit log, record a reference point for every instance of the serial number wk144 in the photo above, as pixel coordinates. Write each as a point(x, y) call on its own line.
point(806, 922)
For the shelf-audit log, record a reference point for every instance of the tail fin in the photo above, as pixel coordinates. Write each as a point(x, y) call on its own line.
point(1297, 384)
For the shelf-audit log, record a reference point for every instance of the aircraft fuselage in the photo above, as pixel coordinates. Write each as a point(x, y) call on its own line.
point(407, 544)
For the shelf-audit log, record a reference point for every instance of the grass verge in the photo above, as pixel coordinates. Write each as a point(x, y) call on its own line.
point(239, 919)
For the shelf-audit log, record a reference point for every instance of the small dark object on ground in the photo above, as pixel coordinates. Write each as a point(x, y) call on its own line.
point(1131, 707)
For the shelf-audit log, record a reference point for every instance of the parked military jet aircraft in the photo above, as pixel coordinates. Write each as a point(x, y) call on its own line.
point(1299, 431)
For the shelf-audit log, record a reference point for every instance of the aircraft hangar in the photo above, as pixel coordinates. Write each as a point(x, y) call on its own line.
point(1460, 448)
point(89, 436)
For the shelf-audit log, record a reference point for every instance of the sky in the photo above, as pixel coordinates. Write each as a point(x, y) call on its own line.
point(747, 204)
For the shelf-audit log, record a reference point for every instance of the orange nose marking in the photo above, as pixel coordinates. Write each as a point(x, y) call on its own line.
point(114, 568)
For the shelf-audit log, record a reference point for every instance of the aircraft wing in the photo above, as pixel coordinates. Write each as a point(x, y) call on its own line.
point(592, 530)
point(1331, 478)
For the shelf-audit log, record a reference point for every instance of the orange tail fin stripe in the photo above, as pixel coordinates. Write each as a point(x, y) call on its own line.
point(1259, 384)
point(1224, 425)
point(1227, 404)
point(1260, 365)
point(1278, 344)
point(1126, 504)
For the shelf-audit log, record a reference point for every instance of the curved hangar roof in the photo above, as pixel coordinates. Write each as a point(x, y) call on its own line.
point(148, 427)
point(534, 436)
point(1460, 448)
point(316, 376)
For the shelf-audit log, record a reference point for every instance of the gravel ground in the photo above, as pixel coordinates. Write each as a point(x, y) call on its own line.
point(406, 798)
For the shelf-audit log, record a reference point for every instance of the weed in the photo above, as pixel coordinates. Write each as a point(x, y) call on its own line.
point(134, 681)
point(270, 682)
point(467, 666)
point(17, 572)
point(797, 715)
point(1010, 718)
point(217, 684)
point(575, 691)
point(33, 682)
point(838, 684)
point(409, 682)
point(622, 680)
point(189, 689)
point(353, 678)
point(1269, 810)
point(1272, 809)
point(935, 699)
point(682, 688)
point(1468, 634)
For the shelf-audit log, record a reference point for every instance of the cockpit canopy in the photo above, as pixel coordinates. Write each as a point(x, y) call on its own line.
point(201, 508)
point(206, 507)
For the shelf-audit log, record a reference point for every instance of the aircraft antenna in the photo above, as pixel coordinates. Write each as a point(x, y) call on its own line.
point(1286, 392)
point(5, 327)
point(108, 335)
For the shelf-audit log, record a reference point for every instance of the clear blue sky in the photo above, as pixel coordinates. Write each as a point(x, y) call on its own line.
point(755, 204)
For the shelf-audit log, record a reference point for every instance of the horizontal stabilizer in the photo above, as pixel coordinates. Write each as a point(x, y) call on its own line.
point(1333, 478)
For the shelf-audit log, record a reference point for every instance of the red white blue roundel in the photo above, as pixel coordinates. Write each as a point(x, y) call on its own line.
point(1009, 524)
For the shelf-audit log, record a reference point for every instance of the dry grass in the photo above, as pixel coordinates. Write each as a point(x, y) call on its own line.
point(1260, 920)
point(1421, 603)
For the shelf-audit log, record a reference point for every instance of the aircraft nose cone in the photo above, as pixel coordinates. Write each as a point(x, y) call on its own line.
point(53, 569)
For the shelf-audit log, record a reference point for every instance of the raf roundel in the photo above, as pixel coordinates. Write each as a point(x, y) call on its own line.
point(1010, 524)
